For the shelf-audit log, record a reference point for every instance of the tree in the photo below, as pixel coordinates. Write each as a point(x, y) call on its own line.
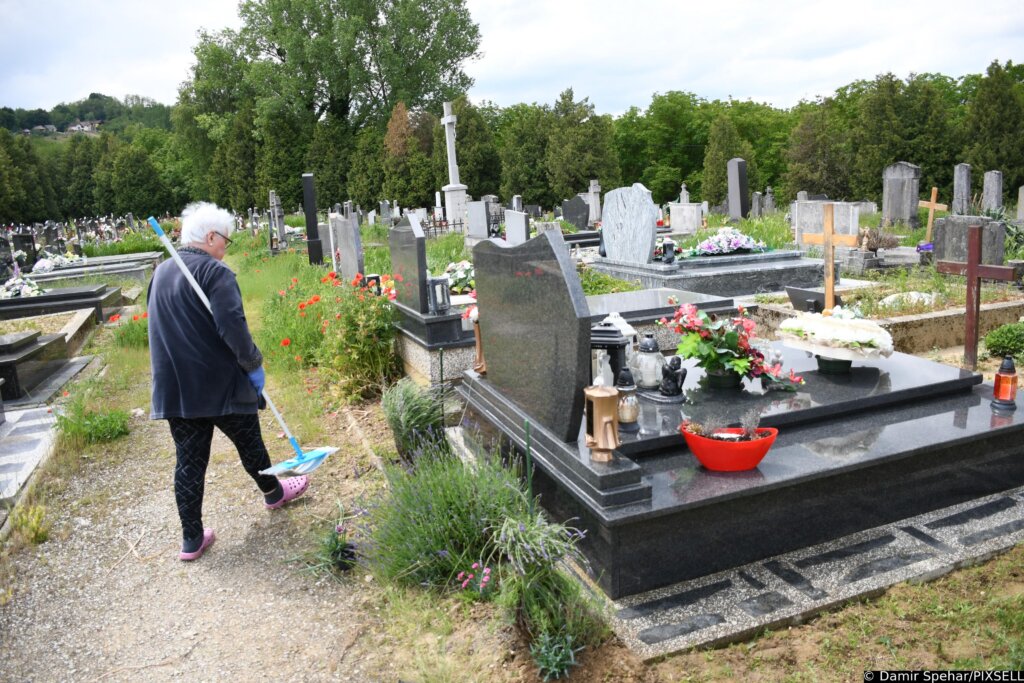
point(817, 155)
point(995, 125)
point(408, 176)
point(878, 136)
point(930, 137)
point(366, 174)
point(136, 184)
point(522, 146)
point(104, 198)
point(475, 150)
point(79, 162)
point(580, 148)
point(725, 143)
point(630, 131)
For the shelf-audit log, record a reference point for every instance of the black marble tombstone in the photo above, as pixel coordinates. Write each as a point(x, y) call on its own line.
point(809, 300)
point(535, 327)
point(26, 243)
point(576, 211)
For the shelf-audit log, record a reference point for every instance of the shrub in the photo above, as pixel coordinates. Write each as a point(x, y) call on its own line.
point(133, 333)
point(1007, 340)
point(416, 417)
point(29, 522)
point(439, 517)
point(80, 427)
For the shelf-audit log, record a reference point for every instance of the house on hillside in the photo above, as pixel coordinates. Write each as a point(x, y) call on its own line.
point(44, 130)
point(84, 127)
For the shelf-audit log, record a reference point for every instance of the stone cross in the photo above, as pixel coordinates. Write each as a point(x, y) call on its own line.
point(975, 272)
point(594, 202)
point(454, 192)
point(828, 239)
point(932, 206)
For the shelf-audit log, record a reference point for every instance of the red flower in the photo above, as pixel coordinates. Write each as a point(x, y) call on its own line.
point(286, 342)
point(332, 275)
point(298, 359)
point(114, 318)
point(302, 304)
point(145, 314)
point(295, 280)
point(398, 277)
point(135, 317)
point(362, 298)
point(337, 316)
point(245, 253)
point(281, 292)
point(302, 315)
point(316, 298)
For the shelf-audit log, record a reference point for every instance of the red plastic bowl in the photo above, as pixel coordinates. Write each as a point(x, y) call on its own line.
point(726, 456)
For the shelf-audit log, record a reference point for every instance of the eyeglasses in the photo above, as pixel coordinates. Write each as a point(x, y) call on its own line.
point(227, 240)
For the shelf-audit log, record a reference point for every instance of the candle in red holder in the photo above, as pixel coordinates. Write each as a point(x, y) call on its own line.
point(1005, 391)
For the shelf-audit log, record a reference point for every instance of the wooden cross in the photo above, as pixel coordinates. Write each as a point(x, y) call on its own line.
point(829, 239)
point(975, 272)
point(932, 207)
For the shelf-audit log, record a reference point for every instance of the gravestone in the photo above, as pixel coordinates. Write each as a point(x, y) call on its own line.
point(757, 205)
point(544, 226)
point(371, 217)
point(739, 192)
point(992, 191)
point(686, 218)
point(629, 224)
point(477, 220)
point(516, 204)
point(408, 247)
point(385, 212)
point(769, 201)
point(577, 212)
point(801, 196)
point(900, 194)
point(809, 217)
point(950, 239)
point(541, 362)
point(517, 227)
point(26, 243)
point(594, 202)
point(454, 192)
point(961, 189)
point(684, 195)
point(1020, 203)
point(347, 245)
point(533, 210)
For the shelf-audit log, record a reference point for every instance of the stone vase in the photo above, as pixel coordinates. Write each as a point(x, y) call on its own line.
point(479, 365)
point(724, 379)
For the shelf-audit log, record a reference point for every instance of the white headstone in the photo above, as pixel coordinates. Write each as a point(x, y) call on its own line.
point(594, 201)
point(454, 191)
point(477, 220)
point(629, 224)
point(686, 218)
point(961, 190)
point(992, 191)
point(684, 195)
point(517, 227)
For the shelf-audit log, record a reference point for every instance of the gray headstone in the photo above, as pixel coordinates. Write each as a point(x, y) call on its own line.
point(801, 196)
point(577, 212)
point(348, 244)
point(1020, 203)
point(517, 203)
point(961, 190)
point(809, 216)
point(992, 191)
point(544, 226)
point(757, 205)
point(900, 193)
point(490, 198)
point(517, 227)
point(477, 219)
point(950, 239)
point(739, 192)
point(371, 218)
point(533, 210)
point(769, 201)
point(27, 244)
point(535, 329)
point(594, 201)
point(684, 195)
point(686, 219)
point(409, 262)
point(385, 212)
point(629, 224)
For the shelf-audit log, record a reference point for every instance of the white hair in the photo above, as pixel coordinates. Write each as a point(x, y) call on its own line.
point(199, 218)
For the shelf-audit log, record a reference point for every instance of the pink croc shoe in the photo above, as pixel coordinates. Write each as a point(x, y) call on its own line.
point(208, 538)
point(293, 488)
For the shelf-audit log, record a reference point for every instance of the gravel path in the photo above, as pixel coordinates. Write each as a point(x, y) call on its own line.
point(106, 598)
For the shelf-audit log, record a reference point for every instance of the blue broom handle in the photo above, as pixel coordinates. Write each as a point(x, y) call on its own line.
point(162, 236)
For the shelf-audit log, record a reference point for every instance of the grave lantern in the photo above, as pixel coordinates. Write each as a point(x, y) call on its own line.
point(649, 362)
point(438, 298)
point(668, 251)
point(629, 404)
point(606, 336)
point(1005, 391)
point(602, 408)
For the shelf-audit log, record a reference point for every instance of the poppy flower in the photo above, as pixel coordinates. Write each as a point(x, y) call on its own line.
point(145, 315)
point(298, 359)
point(332, 275)
point(114, 318)
point(399, 278)
point(362, 298)
point(280, 292)
point(315, 298)
point(295, 280)
point(135, 317)
point(286, 342)
point(302, 314)
point(337, 316)
point(302, 305)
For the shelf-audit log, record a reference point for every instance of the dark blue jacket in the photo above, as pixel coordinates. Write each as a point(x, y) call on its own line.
point(200, 361)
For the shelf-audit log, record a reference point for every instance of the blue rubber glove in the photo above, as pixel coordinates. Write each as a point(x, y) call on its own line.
point(258, 379)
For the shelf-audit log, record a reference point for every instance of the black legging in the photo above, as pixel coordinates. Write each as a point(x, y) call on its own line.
point(192, 438)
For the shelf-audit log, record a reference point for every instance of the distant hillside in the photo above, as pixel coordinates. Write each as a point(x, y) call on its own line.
point(109, 112)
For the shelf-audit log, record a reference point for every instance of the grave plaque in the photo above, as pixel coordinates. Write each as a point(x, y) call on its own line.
point(517, 227)
point(629, 224)
point(348, 247)
point(409, 262)
point(961, 189)
point(739, 192)
point(477, 219)
point(992, 191)
point(950, 239)
point(900, 190)
point(535, 327)
point(576, 211)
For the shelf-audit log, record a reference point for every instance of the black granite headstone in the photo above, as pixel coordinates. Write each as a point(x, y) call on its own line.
point(27, 244)
point(535, 327)
point(409, 262)
point(808, 300)
point(576, 211)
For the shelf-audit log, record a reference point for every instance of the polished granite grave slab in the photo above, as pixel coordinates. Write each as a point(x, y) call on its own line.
point(727, 275)
point(898, 437)
point(62, 299)
point(652, 304)
point(741, 602)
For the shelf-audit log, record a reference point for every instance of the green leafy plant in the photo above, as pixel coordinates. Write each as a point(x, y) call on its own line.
point(133, 333)
point(461, 277)
point(334, 552)
point(79, 426)
point(554, 655)
point(131, 243)
point(1007, 340)
point(595, 282)
point(439, 517)
point(30, 523)
point(415, 415)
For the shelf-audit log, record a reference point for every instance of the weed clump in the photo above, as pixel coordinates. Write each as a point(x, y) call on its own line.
point(1007, 340)
point(78, 426)
point(416, 417)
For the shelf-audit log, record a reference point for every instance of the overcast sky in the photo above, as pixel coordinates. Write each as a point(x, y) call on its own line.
point(616, 52)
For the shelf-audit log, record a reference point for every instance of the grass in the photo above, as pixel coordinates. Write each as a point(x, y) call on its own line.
point(131, 243)
point(595, 282)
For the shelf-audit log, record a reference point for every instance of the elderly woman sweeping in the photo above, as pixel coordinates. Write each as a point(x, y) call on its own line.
point(207, 372)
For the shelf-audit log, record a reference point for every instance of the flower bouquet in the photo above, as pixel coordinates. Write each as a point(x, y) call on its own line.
point(729, 449)
point(727, 241)
point(461, 277)
point(836, 339)
point(723, 348)
point(659, 248)
point(19, 286)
